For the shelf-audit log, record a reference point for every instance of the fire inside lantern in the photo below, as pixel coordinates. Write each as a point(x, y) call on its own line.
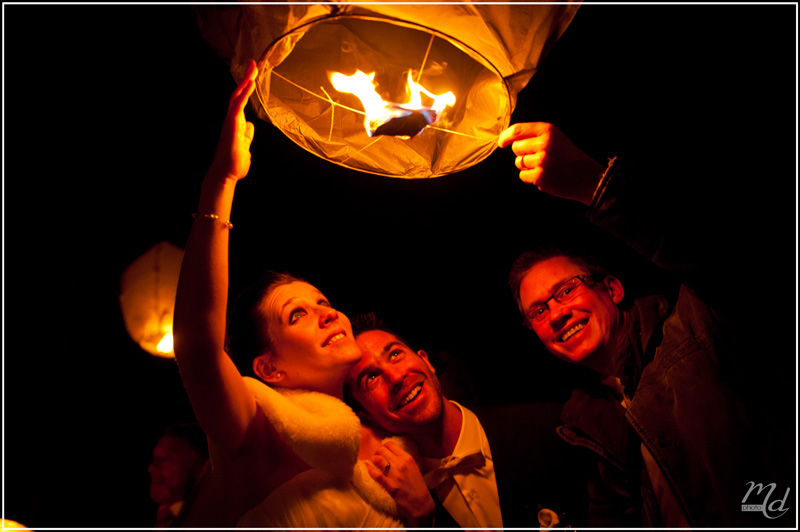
point(404, 120)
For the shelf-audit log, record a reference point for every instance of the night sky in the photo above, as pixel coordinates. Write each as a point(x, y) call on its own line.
point(111, 114)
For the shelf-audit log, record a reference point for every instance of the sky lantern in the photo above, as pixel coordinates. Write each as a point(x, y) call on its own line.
point(147, 298)
point(409, 91)
point(8, 523)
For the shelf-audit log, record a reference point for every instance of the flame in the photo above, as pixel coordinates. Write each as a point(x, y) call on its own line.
point(165, 345)
point(413, 115)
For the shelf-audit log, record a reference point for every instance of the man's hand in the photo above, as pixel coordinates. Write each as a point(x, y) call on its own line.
point(547, 159)
point(398, 473)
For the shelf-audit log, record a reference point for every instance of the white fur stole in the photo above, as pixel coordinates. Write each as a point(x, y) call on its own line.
point(326, 434)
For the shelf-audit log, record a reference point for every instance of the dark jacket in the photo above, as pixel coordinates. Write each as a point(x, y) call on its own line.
point(684, 385)
point(534, 468)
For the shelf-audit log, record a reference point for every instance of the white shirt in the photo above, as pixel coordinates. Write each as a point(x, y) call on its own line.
point(464, 482)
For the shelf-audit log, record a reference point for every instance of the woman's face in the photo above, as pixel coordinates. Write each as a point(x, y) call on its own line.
point(312, 344)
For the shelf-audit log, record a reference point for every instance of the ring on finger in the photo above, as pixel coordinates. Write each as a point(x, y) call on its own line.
point(386, 469)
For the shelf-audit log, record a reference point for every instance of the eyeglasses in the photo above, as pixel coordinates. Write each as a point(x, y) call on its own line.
point(566, 292)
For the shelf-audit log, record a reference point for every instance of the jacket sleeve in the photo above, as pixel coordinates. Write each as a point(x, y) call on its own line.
point(667, 221)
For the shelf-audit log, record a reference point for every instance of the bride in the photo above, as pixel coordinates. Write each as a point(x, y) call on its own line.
point(286, 452)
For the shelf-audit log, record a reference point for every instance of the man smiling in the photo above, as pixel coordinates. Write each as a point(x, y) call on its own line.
point(669, 418)
point(584, 332)
point(399, 392)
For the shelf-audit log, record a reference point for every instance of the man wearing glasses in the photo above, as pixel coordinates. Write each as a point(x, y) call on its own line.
point(672, 440)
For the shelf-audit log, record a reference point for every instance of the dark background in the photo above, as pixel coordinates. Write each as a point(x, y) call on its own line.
point(111, 116)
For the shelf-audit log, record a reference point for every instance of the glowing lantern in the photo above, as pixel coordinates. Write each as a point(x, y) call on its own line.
point(477, 56)
point(147, 297)
point(8, 523)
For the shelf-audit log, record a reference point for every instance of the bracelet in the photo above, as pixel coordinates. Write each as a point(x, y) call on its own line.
point(225, 223)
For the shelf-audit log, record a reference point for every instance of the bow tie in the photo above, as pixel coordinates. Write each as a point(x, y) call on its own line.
point(453, 465)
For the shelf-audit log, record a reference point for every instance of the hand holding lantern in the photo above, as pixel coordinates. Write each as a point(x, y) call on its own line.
point(549, 160)
point(232, 156)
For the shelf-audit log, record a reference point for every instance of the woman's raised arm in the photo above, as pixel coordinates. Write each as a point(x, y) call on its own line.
point(221, 401)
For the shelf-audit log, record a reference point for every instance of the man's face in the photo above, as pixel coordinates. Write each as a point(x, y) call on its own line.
point(173, 468)
point(581, 330)
point(396, 386)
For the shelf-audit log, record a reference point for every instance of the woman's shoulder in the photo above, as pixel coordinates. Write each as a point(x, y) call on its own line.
point(319, 428)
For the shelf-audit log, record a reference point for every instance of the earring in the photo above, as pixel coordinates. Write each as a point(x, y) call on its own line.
point(279, 375)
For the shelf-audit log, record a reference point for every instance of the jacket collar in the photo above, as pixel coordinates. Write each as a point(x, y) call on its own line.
point(593, 416)
point(644, 333)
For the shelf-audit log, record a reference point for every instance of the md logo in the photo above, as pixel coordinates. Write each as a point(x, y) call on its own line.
point(766, 507)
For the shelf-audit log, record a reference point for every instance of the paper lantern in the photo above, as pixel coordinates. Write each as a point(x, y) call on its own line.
point(482, 54)
point(8, 523)
point(147, 297)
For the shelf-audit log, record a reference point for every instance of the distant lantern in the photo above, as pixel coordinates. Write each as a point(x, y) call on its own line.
point(8, 523)
point(147, 297)
point(440, 80)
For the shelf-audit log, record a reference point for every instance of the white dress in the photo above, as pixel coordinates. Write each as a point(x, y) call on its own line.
point(314, 499)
